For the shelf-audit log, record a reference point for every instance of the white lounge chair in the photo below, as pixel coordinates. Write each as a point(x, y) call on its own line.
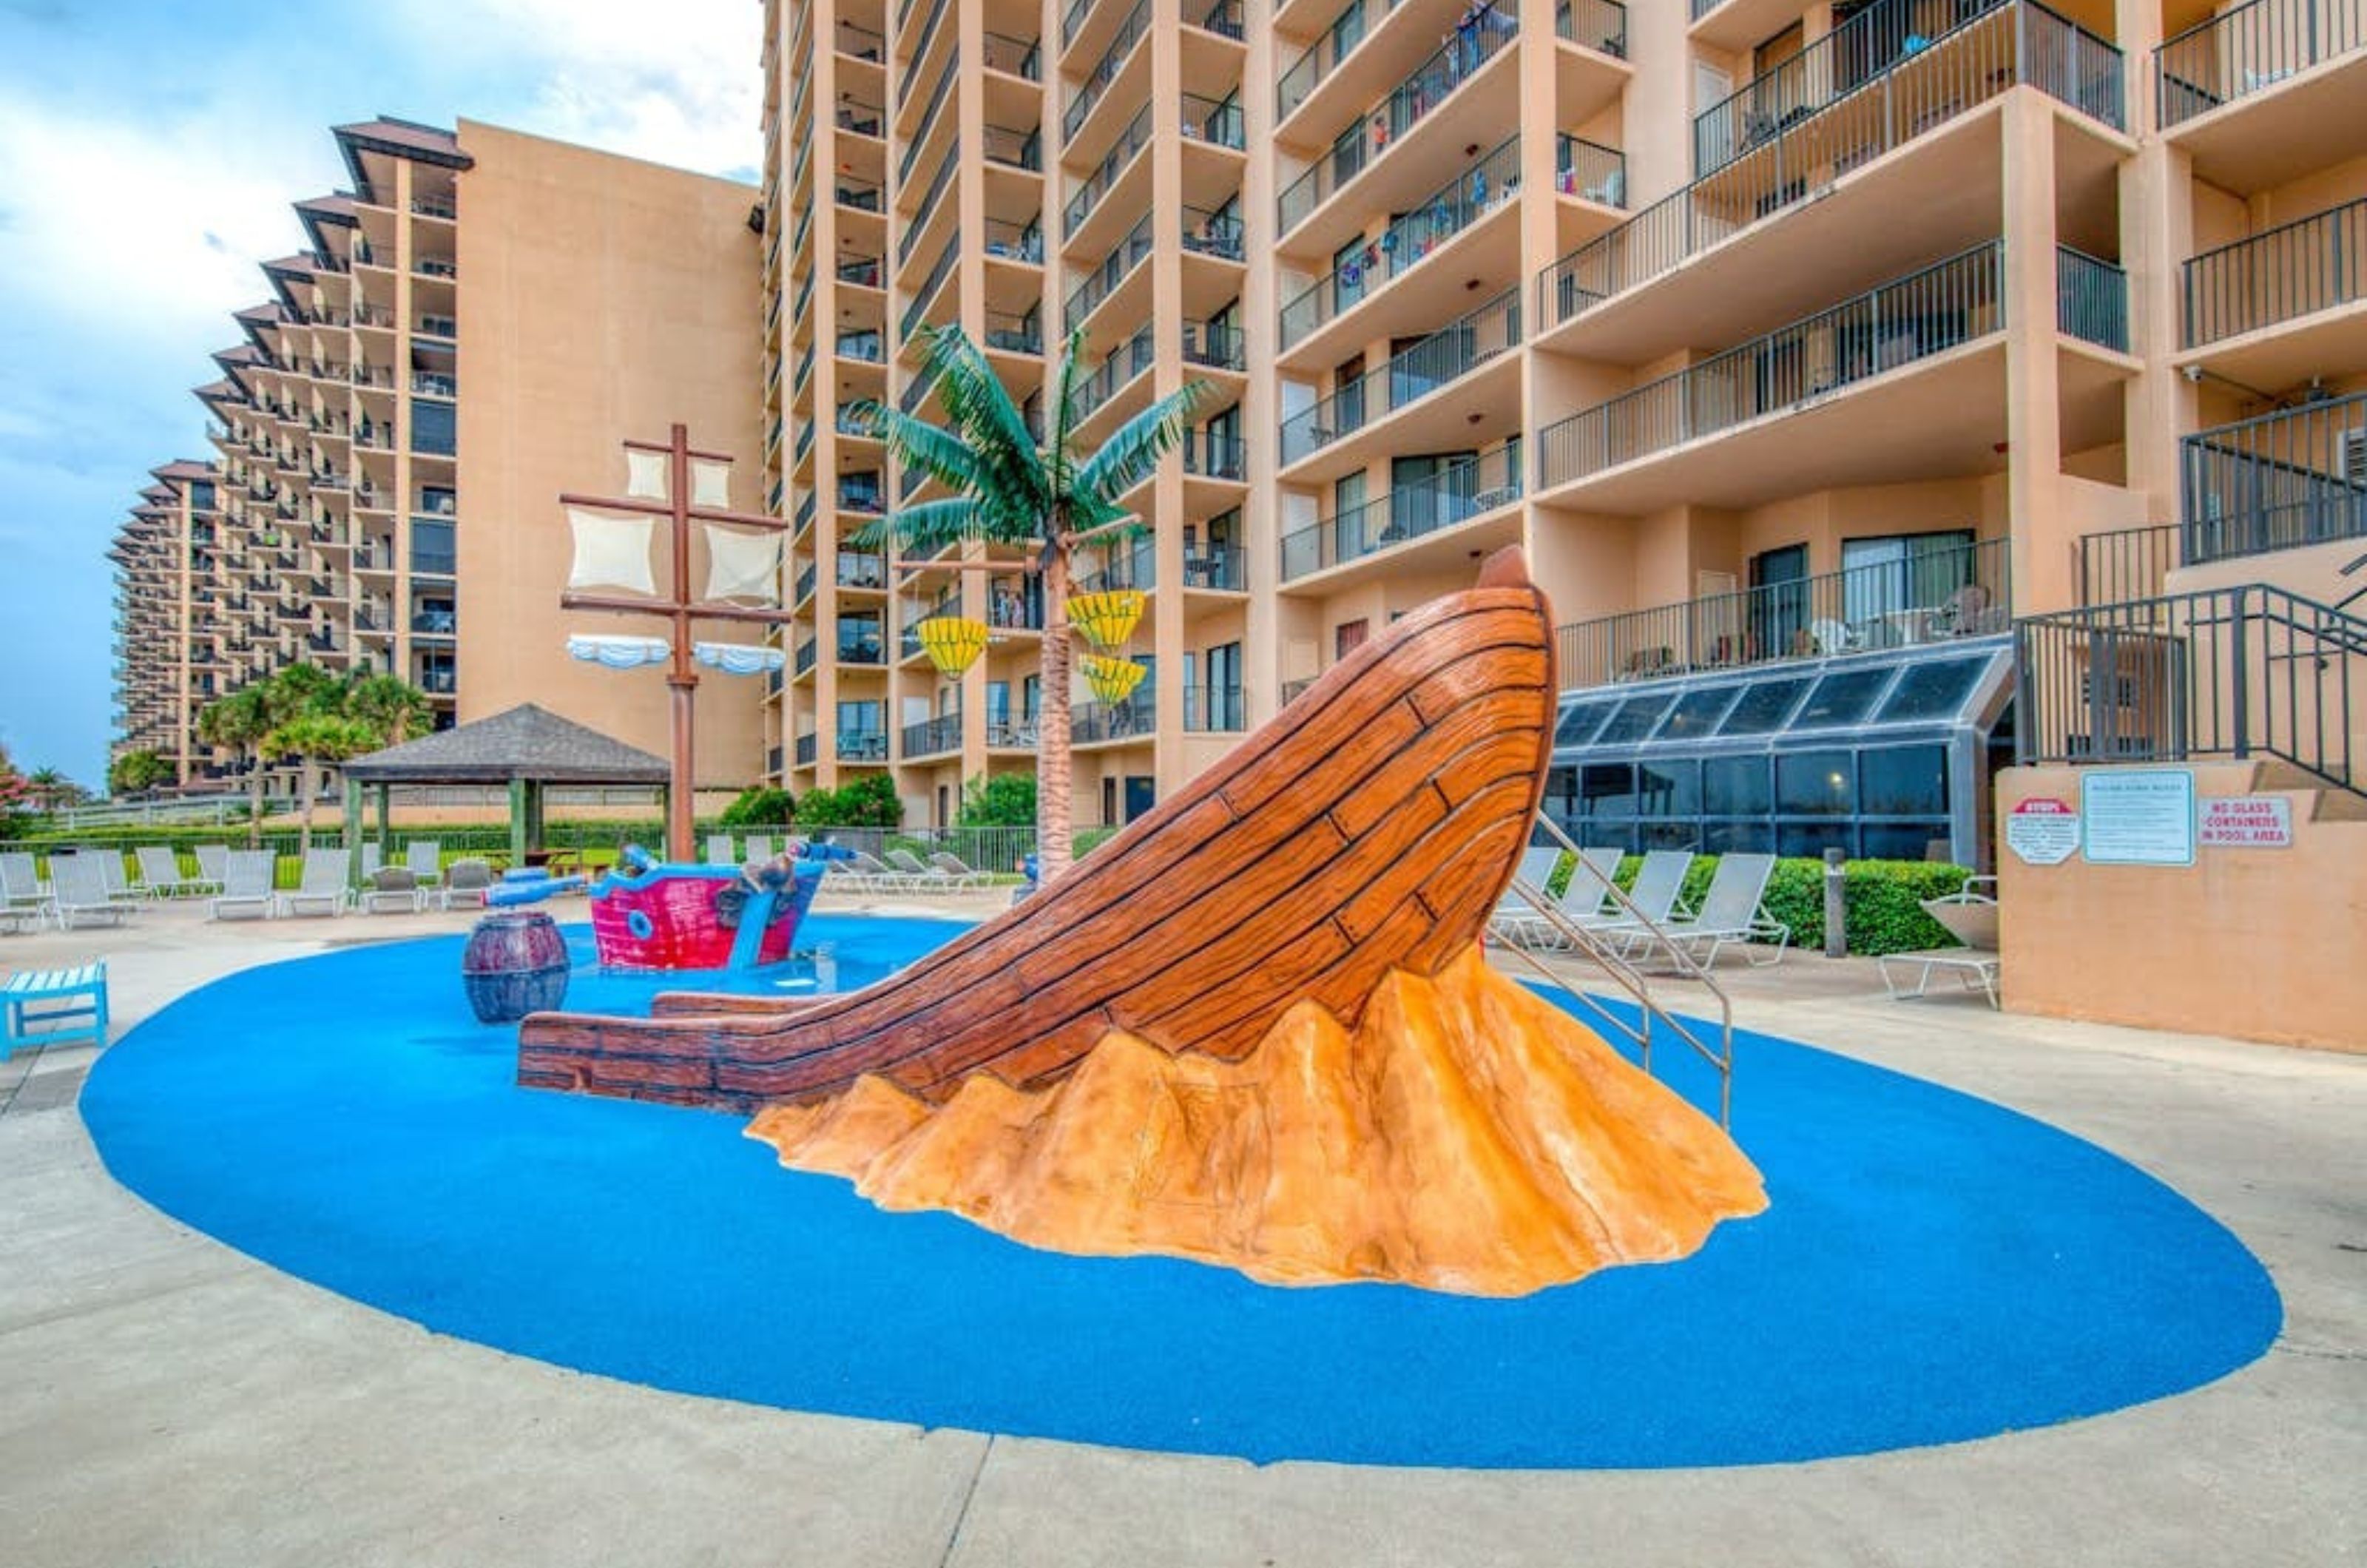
point(160, 873)
point(373, 859)
point(878, 876)
point(1536, 867)
point(393, 890)
point(23, 895)
point(1730, 912)
point(425, 858)
point(79, 884)
point(1971, 916)
point(113, 876)
point(321, 890)
point(760, 848)
point(719, 851)
point(246, 885)
point(953, 865)
point(917, 876)
point(213, 865)
point(466, 881)
point(1580, 903)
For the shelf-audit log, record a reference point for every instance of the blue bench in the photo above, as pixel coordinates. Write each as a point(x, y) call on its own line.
point(54, 999)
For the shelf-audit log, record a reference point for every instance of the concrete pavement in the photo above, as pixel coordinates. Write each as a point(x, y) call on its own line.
point(164, 1400)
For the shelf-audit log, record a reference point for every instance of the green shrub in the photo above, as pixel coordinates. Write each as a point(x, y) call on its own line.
point(1884, 899)
point(761, 805)
point(867, 803)
point(1005, 800)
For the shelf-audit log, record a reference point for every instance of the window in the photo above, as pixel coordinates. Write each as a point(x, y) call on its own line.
point(1736, 787)
point(1348, 637)
point(1904, 781)
point(434, 427)
point(1579, 722)
point(1763, 705)
point(1888, 576)
point(1842, 698)
point(430, 547)
point(1814, 784)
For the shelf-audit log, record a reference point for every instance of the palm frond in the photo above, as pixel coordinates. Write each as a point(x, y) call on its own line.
point(1135, 447)
point(1064, 389)
point(916, 443)
point(982, 412)
point(925, 528)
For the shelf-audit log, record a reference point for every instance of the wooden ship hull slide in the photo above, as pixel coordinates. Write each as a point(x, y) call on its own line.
point(1370, 827)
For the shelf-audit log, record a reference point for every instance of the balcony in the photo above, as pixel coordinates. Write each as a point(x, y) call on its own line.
point(1105, 723)
point(1427, 88)
point(1938, 588)
point(1009, 334)
point(1215, 346)
point(932, 737)
point(1214, 709)
point(1437, 361)
point(1429, 225)
point(1088, 195)
point(2284, 479)
point(1218, 569)
point(2092, 300)
point(2303, 274)
point(1087, 94)
point(2009, 44)
point(809, 746)
point(860, 746)
point(1213, 455)
point(1108, 274)
point(1464, 491)
point(1120, 365)
point(1014, 149)
point(860, 118)
point(1023, 58)
point(2263, 92)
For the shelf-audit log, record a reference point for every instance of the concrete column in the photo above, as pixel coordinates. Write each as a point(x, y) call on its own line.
point(1168, 375)
point(1262, 673)
point(2040, 551)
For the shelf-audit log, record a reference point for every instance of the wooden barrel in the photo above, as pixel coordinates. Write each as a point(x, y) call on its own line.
point(515, 963)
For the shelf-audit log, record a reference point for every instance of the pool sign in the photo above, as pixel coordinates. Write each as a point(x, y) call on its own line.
point(2042, 831)
point(2138, 817)
point(2245, 822)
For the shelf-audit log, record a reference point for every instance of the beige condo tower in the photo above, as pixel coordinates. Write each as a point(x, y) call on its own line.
point(1776, 333)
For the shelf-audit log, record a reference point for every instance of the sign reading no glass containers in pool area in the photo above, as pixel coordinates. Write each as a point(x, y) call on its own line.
point(2138, 818)
point(2246, 823)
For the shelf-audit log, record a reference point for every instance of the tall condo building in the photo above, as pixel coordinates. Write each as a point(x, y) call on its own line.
point(168, 576)
point(368, 517)
point(1803, 346)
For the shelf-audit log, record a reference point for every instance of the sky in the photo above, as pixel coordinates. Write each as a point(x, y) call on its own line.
point(149, 154)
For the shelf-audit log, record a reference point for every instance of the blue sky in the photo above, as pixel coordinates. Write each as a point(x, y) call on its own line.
point(149, 151)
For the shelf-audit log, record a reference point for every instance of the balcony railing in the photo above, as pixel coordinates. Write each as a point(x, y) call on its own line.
point(862, 196)
point(862, 119)
point(1304, 74)
point(1014, 148)
point(928, 203)
point(1135, 718)
point(860, 42)
point(1216, 347)
point(1006, 240)
point(2092, 300)
point(928, 120)
point(1015, 334)
point(808, 749)
point(1222, 569)
point(1216, 122)
point(1215, 235)
point(851, 498)
point(1467, 490)
point(2120, 564)
point(2249, 49)
point(2240, 672)
point(927, 293)
point(1122, 364)
point(863, 271)
point(1587, 169)
point(1433, 221)
point(2017, 42)
point(1215, 708)
point(871, 347)
point(1600, 25)
point(1933, 311)
point(1014, 57)
point(1213, 455)
point(932, 736)
point(1088, 195)
point(861, 745)
point(2298, 477)
point(1446, 355)
point(1933, 592)
point(1087, 94)
point(2279, 275)
point(1108, 274)
point(1486, 34)
point(1226, 18)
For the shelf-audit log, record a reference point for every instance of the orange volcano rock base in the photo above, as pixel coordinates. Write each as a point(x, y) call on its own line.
point(1465, 1137)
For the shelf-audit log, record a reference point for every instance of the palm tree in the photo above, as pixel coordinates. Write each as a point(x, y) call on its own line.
point(239, 722)
point(313, 736)
point(1008, 489)
point(394, 708)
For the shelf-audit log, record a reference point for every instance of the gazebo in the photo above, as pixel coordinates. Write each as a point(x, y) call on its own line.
point(525, 748)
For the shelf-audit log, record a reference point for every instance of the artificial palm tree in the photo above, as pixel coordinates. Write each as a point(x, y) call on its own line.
point(1011, 490)
point(239, 722)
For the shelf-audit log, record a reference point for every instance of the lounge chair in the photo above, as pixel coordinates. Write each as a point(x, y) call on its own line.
point(953, 865)
point(160, 873)
point(719, 851)
point(1730, 912)
point(1654, 900)
point(424, 859)
point(23, 895)
point(112, 875)
point(246, 885)
point(1971, 916)
point(213, 865)
point(1536, 868)
point(79, 887)
point(918, 876)
point(1580, 904)
point(760, 848)
point(393, 890)
point(322, 889)
point(878, 876)
point(467, 880)
point(373, 859)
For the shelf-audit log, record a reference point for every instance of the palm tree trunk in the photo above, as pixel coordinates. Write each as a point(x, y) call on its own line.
point(1054, 766)
point(304, 805)
point(255, 800)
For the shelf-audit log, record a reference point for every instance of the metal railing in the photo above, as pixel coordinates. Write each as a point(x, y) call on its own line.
point(1214, 709)
point(2236, 673)
point(1465, 490)
point(1086, 95)
point(1444, 357)
point(1216, 346)
point(1006, 240)
point(1013, 56)
point(1082, 202)
point(1015, 334)
point(1425, 89)
point(1108, 274)
point(1215, 121)
point(1213, 455)
point(2249, 49)
point(808, 747)
point(1319, 60)
point(2296, 477)
point(1120, 365)
point(931, 736)
point(1014, 148)
point(2018, 42)
point(1936, 310)
point(1220, 568)
point(2118, 564)
point(927, 207)
point(1599, 25)
point(1136, 719)
point(2278, 275)
point(1226, 18)
point(927, 292)
point(1590, 170)
point(1431, 222)
point(2092, 300)
point(928, 122)
point(1218, 234)
point(859, 746)
point(1934, 592)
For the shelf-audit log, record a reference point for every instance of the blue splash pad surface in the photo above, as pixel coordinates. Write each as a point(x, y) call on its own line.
point(1932, 1268)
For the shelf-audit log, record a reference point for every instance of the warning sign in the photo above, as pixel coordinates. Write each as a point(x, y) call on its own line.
point(2246, 823)
point(2042, 831)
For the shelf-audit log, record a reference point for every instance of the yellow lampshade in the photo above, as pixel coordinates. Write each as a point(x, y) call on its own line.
point(1113, 680)
point(952, 642)
point(1108, 618)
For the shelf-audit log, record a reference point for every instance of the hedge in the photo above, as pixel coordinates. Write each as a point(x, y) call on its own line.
point(1883, 898)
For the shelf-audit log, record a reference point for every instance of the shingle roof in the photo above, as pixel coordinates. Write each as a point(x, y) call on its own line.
point(527, 742)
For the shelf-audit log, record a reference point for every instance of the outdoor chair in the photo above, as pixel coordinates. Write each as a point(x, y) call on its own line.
point(1655, 899)
point(1730, 912)
point(246, 885)
point(160, 873)
point(112, 874)
point(878, 876)
point(1967, 613)
point(1971, 916)
point(23, 895)
point(213, 865)
point(1830, 636)
point(465, 879)
point(424, 859)
point(79, 887)
point(954, 866)
point(51, 1006)
point(719, 850)
point(1536, 868)
point(393, 890)
point(373, 858)
point(760, 848)
point(322, 889)
point(1580, 903)
point(917, 876)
